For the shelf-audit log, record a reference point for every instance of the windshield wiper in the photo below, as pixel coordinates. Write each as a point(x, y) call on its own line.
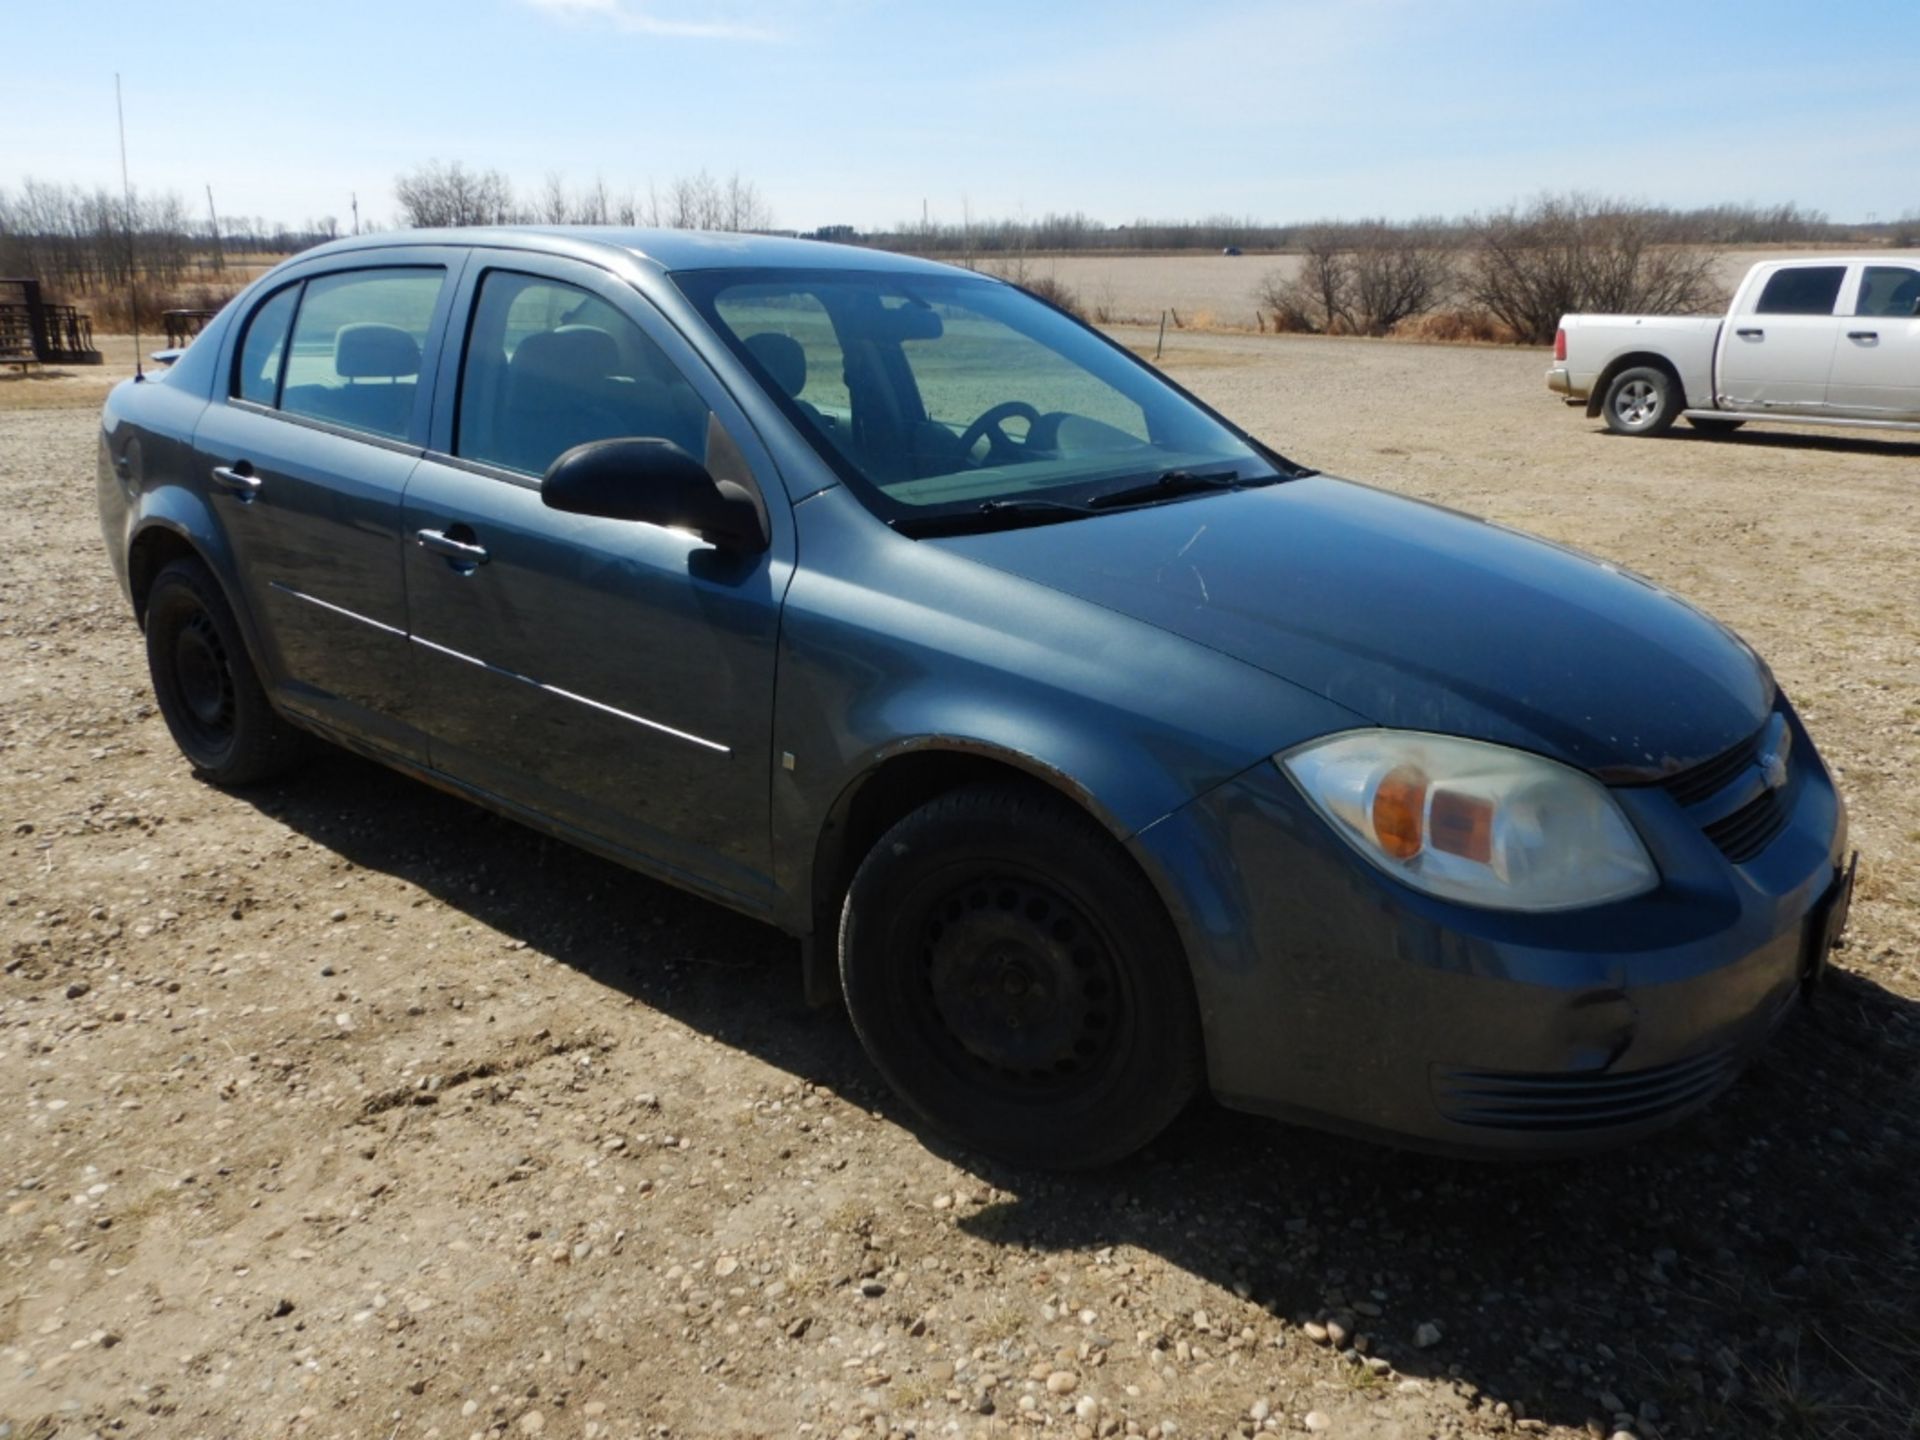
point(992, 515)
point(1169, 484)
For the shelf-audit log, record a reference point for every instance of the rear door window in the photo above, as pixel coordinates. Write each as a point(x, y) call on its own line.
point(357, 344)
point(1805, 290)
point(550, 366)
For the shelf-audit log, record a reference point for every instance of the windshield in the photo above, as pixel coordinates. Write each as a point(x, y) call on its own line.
point(936, 395)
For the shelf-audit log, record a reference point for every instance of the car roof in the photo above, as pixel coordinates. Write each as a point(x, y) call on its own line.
point(663, 250)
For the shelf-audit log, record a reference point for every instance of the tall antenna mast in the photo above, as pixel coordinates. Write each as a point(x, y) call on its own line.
point(126, 188)
point(213, 227)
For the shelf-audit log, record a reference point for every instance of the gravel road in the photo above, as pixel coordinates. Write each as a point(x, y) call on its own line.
point(340, 1108)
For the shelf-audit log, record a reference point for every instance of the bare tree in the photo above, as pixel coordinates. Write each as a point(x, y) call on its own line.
point(745, 210)
point(1529, 267)
point(1361, 279)
point(554, 207)
point(451, 194)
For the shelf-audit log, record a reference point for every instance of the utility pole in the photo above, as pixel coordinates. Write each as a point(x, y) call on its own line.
point(213, 229)
point(356, 212)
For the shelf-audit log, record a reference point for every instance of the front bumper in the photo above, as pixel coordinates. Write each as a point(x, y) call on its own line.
point(1335, 996)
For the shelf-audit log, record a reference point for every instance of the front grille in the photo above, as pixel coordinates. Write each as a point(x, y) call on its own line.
point(1742, 833)
point(1595, 1100)
point(1709, 777)
point(1748, 830)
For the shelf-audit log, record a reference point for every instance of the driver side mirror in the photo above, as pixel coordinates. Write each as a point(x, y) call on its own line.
point(656, 482)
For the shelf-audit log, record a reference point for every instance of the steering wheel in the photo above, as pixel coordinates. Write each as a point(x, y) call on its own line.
point(998, 441)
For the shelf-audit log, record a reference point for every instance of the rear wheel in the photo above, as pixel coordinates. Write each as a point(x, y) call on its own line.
point(1642, 401)
point(209, 695)
point(1013, 976)
point(1707, 426)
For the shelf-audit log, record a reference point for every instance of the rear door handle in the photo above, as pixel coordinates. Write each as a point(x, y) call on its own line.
point(1751, 334)
point(441, 543)
point(1863, 334)
point(237, 478)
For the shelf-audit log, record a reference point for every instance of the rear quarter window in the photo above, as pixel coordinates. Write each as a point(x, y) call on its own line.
point(257, 371)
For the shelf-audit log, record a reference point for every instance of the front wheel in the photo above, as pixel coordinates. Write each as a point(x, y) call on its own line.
point(1642, 401)
point(211, 699)
point(1015, 979)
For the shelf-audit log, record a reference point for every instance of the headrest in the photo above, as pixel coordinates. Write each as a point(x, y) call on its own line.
point(573, 353)
point(370, 350)
point(782, 358)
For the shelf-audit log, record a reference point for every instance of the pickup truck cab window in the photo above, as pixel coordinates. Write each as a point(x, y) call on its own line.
point(357, 344)
point(1889, 291)
point(1802, 290)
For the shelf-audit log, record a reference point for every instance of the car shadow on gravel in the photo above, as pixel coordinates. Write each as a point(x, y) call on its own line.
point(1754, 1271)
point(1748, 438)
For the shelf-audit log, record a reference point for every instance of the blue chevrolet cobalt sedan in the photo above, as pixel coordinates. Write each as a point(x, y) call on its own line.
point(1096, 753)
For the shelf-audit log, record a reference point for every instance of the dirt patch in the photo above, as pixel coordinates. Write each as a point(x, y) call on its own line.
point(72, 387)
point(339, 1108)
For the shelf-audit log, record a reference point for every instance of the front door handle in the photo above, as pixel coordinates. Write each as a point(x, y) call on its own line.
point(441, 543)
point(1751, 334)
point(237, 478)
point(1863, 334)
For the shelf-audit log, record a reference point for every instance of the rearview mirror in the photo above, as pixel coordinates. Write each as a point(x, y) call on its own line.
point(657, 482)
point(915, 320)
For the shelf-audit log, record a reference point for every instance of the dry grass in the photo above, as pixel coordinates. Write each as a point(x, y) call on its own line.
point(71, 387)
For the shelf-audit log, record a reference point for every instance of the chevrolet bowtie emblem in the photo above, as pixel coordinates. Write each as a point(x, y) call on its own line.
point(1774, 746)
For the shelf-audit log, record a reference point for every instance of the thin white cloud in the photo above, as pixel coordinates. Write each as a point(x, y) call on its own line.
point(644, 19)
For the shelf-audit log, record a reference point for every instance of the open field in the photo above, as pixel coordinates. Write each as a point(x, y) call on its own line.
point(1212, 290)
point(339, 1108)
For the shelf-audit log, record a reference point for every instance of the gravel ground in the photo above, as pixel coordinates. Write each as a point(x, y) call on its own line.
point(339, 1108)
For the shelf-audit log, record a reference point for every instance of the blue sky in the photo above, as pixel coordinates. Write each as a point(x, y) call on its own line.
point(858, 110)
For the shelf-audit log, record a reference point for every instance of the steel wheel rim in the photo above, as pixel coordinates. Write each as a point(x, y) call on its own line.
point(1015, 988)
point(203, 680)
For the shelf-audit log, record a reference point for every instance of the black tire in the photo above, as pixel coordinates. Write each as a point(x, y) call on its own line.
point(1644, 400)
point(1015, 979)
point(209, 695)
point(1713, 427)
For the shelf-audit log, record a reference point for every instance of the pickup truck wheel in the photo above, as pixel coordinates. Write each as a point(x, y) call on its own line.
point(1014, 978)
point(1714, 427)
point(211, 699)
point(1642, 401)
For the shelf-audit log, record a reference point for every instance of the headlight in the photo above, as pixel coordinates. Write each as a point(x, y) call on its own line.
point(1473, 822)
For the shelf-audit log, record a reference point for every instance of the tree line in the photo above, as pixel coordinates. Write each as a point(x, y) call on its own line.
point(1075, 231)
point(439, 194)
point(1506, 275)
point(76, 241)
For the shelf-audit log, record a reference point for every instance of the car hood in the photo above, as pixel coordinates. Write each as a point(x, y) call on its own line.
point(1416, 617)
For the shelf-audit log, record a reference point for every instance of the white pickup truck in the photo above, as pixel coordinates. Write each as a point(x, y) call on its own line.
point(1813, 342)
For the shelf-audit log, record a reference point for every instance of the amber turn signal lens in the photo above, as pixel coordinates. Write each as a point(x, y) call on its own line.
point(1462, 825)
point(1399, 801)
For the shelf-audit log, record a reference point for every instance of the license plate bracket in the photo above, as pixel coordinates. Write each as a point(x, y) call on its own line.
point(1828, 922)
